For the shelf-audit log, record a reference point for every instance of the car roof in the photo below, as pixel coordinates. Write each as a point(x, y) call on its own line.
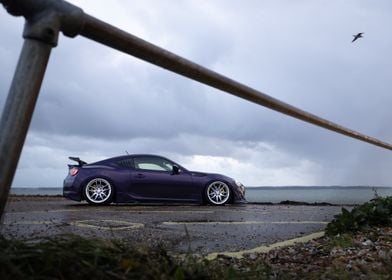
point(119, 158)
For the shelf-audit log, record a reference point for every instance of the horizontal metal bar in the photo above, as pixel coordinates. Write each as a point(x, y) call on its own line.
point(111, 36)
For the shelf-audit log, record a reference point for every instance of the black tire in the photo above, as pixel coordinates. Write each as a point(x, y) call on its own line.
point(217, 193)
point(98, 191)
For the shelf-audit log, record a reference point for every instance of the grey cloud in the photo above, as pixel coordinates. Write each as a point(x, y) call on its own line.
point(290, 50)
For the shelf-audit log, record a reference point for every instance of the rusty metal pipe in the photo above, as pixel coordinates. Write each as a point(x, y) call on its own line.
point(111, 36)
point(19, 108)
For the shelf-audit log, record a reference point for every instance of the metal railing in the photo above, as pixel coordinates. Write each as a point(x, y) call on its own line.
point(46, 18)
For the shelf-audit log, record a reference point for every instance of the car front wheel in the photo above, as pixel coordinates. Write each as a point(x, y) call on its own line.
point(98, 191)
point(217, 193)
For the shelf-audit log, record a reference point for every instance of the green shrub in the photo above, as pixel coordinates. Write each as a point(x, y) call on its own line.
point(377, 212)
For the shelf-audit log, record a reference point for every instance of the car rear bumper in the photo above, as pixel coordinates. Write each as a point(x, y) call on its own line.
point(70, 191)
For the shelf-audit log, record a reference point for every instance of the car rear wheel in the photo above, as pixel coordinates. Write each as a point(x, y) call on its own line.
point(218, 193)
point(98, 191)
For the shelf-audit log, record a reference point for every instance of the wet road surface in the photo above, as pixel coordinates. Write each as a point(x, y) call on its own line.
point(180, 228)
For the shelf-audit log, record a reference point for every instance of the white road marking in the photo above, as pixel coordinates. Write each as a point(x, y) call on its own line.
point(116, 224)
point(242, 223)
point(266, 249)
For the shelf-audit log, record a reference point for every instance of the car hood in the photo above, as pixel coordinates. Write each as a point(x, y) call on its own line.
point(212, 175)
point(199, 174)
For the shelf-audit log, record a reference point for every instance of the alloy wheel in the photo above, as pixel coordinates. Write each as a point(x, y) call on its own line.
point(218, 193)
point(98, 191)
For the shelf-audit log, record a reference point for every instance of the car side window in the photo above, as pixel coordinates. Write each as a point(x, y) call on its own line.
point(153, 164)
point(126, 163)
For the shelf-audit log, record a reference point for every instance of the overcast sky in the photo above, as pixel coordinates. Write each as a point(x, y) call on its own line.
point(96, 102)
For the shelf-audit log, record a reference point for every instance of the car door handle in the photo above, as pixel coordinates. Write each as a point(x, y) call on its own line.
point(140, 176)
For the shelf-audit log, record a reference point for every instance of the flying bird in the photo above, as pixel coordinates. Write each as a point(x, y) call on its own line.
point(357, 36)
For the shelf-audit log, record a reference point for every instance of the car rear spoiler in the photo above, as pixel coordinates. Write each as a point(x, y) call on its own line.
point(78, 160)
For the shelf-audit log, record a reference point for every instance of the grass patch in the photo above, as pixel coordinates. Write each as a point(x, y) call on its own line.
point(342, 241)
point(74, 257)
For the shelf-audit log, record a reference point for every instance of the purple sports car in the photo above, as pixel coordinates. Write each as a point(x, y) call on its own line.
point(147, 178)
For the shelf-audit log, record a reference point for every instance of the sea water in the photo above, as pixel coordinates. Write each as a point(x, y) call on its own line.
point(334, 195)
point(36, 191)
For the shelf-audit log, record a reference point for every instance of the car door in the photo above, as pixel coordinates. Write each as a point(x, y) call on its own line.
point(153, 179)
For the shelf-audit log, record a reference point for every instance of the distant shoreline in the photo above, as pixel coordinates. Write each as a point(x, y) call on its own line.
point(320, 187)
point(332, 195)
point(34, 195)
point(284, 202)
point(253, 187)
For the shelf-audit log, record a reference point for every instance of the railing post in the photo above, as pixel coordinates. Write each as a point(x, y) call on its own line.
point(19, 109)
point(44, 20)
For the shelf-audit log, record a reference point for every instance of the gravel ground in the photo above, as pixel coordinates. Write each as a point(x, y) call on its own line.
point(364, 255)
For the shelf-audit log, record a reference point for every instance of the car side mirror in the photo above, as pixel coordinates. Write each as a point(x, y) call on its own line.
point(175, 170)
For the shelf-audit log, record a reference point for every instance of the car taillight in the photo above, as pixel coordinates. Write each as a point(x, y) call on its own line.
point(73, 171)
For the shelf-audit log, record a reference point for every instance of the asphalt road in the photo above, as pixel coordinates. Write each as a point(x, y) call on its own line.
point(180, 228)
